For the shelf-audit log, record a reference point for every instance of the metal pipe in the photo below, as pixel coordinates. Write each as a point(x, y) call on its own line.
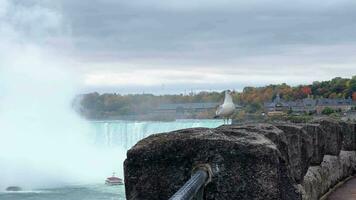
point(193, 187)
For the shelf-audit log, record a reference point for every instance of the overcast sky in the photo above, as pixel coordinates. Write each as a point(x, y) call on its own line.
point(168, 46)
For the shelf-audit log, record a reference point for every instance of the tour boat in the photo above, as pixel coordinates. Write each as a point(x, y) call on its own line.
point(113, 180)
point(13, 189)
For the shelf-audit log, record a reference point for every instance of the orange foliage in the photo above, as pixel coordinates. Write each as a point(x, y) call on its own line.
point(306, 90)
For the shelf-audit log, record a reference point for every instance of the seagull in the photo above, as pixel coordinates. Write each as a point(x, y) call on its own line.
point(226, 109)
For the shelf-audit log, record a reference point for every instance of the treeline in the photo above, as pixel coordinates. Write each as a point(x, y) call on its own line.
point(335, 88)
point(102, 106)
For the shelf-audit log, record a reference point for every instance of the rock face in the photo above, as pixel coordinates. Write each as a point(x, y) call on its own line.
point(318, 136)
point(333, 169)
point(300, 149)
point(271, 132)
point(252, 161)
point(333, 136)
point(348, 133)
point(246, 165)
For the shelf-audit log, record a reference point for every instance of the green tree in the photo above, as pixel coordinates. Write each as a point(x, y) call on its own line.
point(327, 111)
point(253, 107)
point(352, 84)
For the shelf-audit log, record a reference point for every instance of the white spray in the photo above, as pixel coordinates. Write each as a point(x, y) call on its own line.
point(43, 143)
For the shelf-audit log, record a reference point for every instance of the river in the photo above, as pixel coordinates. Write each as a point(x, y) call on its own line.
point(112, 139)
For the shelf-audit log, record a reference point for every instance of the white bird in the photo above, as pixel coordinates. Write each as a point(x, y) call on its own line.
point(226, 109)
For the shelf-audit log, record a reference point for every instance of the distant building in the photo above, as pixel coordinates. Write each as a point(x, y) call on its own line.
point(343, 105)
point(276, 107)
point(181, 109)
point(307, 105)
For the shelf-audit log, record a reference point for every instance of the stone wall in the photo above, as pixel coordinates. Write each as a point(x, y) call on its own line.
point(253, 161)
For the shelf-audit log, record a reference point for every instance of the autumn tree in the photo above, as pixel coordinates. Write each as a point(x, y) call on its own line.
point(95, 105)
point(306, 90)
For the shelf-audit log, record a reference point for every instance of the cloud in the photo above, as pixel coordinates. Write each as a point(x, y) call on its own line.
point(204, 32)
point(259, 38)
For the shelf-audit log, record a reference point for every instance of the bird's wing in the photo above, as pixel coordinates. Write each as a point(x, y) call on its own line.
point(218, 110)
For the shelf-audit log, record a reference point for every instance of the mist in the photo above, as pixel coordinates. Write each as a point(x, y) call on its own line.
point(43, 142)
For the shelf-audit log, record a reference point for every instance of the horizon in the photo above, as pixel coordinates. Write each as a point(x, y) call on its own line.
point(187, 91)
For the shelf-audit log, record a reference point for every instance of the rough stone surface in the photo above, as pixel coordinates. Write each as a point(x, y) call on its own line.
point(333, 169)
point(349, 137)
point(333, 136)
point(246, 165)
point(276, 135)
point(300, 149)
point(318, 136)
point(253, 161)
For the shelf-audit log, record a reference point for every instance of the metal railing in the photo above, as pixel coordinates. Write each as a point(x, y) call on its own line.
point(194, 187)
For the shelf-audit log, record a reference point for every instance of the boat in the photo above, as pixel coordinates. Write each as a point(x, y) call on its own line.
point(13, 189)
point(113, 180)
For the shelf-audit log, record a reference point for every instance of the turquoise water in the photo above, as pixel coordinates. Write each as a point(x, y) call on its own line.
point(82, 192)
point(115, 137)
point(125, 133)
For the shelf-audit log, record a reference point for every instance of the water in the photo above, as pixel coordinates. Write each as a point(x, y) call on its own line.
point(82, 192)
point(125, 134)
point(111, 139)
point(45, 148)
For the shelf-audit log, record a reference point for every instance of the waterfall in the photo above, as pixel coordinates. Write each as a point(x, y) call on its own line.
point(125, 134)
point(113, 138)
point(57, 158)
